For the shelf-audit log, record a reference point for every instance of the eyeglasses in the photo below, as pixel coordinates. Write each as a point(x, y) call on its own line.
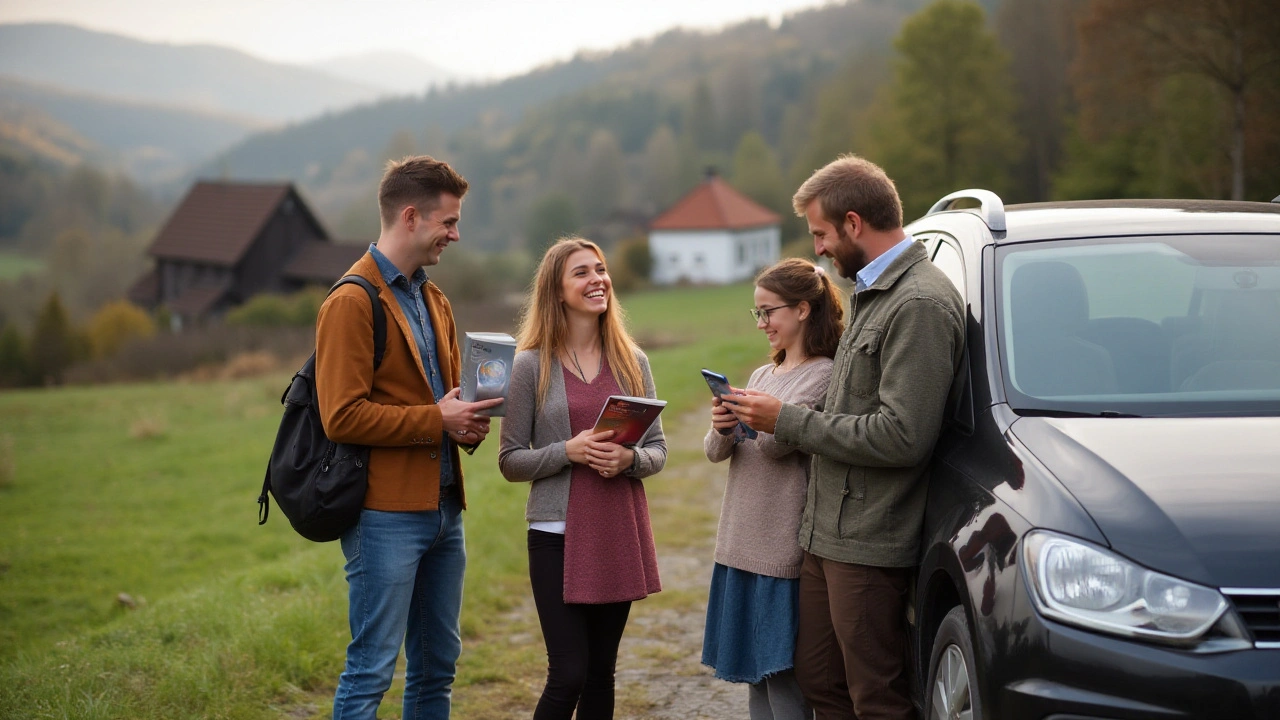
point(764, 312)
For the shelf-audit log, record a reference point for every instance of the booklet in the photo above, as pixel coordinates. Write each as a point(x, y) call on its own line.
point(486, 368)
point(630, 417)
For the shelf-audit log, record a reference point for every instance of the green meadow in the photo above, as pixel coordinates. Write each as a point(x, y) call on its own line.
point(135, 581)
point(15, 265)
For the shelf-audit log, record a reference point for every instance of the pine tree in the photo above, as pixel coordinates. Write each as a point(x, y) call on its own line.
point(53, 343)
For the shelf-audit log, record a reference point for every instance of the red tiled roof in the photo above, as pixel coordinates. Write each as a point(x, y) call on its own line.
point(715, 205)
point(217, 221)
point(323, 262)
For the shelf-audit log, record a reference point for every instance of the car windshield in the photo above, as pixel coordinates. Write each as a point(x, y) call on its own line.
point(1186, 325)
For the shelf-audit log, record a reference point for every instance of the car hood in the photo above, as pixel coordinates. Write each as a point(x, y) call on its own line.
point(1197, 498)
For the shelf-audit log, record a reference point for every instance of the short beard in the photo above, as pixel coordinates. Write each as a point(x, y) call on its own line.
point(849, 259)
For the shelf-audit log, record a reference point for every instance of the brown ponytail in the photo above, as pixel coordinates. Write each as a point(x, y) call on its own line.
point(795, 280)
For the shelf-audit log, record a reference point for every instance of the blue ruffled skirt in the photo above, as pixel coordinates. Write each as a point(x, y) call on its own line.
point(751, 625)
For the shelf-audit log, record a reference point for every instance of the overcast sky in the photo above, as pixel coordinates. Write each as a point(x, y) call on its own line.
point(484, 38)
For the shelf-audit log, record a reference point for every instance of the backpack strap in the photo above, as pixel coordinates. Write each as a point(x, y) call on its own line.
point(379, 346)
point(379, 315)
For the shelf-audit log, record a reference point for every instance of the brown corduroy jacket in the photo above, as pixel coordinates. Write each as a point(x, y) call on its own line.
point(392, 409)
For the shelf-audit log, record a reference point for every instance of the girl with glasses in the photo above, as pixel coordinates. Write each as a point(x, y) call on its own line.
point(591, 549)
point(750, 632)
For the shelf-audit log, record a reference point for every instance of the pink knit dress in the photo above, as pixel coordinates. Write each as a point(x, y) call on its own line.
point(608, 544)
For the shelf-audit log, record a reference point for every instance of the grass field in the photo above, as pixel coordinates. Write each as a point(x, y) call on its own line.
point(149, 490)
point(15, 265)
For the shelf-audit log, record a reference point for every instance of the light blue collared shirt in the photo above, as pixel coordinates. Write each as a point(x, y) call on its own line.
point(408, 293)
point(867, 276)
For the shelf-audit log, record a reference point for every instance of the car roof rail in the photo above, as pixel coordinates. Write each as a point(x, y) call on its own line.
point(990, 209)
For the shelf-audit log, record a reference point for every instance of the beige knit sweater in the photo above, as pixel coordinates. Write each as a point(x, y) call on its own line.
point(765, 493)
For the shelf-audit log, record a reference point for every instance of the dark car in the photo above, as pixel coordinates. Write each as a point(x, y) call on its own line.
point(1102, 537)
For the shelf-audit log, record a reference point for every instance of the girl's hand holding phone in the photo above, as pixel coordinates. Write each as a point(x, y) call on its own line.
point(721, 417)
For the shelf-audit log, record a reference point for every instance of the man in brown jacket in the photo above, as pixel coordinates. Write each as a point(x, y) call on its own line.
point(871, 442)
point(405, 557)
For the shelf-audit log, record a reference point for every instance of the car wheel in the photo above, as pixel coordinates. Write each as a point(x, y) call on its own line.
point(953, 680)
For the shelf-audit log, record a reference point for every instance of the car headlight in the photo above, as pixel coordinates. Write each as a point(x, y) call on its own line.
point(1083, 584)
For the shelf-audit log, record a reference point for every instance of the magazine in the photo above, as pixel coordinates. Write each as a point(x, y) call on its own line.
point(486, 368)
point(630, 417)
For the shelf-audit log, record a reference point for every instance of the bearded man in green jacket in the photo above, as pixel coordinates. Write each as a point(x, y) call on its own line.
point(870, 441)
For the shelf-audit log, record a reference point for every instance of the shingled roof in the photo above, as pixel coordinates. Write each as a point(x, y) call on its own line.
point(217, 221)
point(715, 205)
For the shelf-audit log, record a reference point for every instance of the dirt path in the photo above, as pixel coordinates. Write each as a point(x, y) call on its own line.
point(660, 674)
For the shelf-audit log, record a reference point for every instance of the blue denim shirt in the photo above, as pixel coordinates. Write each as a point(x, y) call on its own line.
point(408, 292)
point(867, 276)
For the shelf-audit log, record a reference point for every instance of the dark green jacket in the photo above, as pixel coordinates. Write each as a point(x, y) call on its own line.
point(872, 439)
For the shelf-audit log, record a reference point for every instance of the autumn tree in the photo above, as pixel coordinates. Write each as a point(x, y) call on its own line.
point(662, 185)
point(757, 175)
point(117, 323)
point(1141, 61)
point(602, 183)
point(946, 122)
point(551, 218)
point(1040, 38)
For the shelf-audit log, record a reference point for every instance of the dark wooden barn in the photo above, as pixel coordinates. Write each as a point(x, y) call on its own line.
point(229, 241)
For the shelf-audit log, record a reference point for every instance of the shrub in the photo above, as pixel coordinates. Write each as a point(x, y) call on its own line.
point(115, 324)
point(631, 265)
point(264, 310)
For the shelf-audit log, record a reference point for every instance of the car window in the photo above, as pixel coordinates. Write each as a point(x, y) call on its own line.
point(1179, 325)
point(947, 258)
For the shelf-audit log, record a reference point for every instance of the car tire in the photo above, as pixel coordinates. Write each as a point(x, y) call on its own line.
point(952, 692)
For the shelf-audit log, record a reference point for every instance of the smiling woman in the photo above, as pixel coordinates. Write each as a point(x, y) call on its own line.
point(591, 551)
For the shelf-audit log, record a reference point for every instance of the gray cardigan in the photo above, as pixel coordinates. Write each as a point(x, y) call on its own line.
point(533, 443)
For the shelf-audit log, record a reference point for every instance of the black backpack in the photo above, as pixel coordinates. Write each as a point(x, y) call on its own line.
point(318, 484)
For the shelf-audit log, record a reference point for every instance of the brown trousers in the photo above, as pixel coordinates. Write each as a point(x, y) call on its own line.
point(851, 651)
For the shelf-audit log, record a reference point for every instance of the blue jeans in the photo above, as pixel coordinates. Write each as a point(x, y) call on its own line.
point(405, 571)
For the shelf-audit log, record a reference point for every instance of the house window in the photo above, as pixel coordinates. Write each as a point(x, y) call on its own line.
point(742, 252)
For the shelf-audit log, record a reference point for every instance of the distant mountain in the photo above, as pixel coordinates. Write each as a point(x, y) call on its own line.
point(804, 47)
point(29, 132)
point(194, 76)
point(151, 142)
point(395, 72)
point(617, 131)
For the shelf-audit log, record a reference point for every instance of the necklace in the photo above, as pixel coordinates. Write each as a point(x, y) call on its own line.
point(599, 364)
point(795, 365)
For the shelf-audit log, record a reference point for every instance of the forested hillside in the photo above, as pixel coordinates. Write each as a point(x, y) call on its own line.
point(620, 134)
point(1035, 99)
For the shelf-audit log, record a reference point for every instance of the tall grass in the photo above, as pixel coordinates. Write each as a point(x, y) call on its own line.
point(233, 620)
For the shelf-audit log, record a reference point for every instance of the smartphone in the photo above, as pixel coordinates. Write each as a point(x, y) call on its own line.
point(719, 385)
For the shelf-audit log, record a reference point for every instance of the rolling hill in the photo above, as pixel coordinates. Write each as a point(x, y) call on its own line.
point(204, 77)
point(151, 142)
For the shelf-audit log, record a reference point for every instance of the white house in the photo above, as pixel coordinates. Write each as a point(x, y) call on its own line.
point(715, 234)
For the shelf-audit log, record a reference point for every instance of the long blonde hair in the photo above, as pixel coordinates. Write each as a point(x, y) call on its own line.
point(544, 326)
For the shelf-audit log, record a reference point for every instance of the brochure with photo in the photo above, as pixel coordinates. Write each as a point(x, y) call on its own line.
point(486, 368)
point(629, 417)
